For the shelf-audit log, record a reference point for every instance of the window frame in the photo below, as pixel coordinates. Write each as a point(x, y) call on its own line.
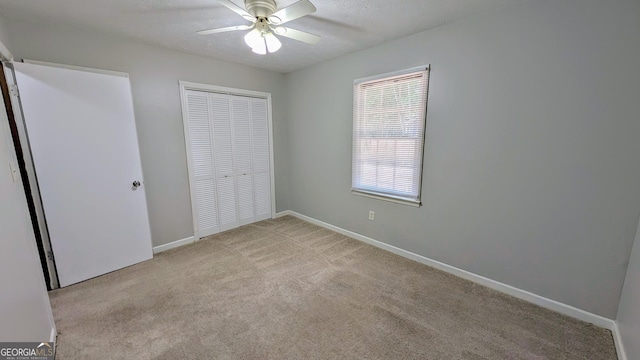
point(390, 196)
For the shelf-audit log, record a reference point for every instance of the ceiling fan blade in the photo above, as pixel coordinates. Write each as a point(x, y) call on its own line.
point(297, 35)
point(292, 12)
point(237, 9)
point(224, 29)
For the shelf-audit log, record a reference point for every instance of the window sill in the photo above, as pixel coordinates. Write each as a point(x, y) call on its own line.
point(385, 197)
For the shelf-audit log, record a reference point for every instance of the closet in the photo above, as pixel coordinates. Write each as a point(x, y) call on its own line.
point(227, 139)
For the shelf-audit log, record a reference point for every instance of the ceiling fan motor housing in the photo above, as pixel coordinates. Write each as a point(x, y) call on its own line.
point(260, 8)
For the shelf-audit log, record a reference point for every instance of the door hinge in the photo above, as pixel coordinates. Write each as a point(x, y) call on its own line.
point(50, 255)
point(14, 171)
point(13, 90)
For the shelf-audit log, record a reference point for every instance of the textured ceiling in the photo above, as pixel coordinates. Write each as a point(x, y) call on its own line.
point(345, 26)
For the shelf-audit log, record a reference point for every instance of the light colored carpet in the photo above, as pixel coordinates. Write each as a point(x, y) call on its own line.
point(287, 289)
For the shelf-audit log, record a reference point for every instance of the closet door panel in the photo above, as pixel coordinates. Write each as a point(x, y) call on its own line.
point(221, 113)
point(201, 151)
point(261, 173)
point(242, 150)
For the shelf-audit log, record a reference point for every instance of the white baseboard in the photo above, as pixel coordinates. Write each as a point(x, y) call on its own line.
point(174, 244)
point(284, 213)
point(504, 288)
point(53, 335)
point(53, 338)
point(617, 339)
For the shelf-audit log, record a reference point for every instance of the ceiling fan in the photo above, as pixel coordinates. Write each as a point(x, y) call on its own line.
point(266, 21)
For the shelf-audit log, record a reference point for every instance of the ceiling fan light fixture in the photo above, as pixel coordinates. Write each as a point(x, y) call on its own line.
point(260, 49)
point(273, 44)
point(254, 38)
point(260, 41)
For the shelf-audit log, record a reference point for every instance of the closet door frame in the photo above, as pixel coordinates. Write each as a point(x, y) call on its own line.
point(184, 87)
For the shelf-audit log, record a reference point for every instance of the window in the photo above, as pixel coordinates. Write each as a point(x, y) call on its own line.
point(389, 115)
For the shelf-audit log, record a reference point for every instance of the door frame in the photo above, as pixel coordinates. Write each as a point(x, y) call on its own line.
point(184, 87)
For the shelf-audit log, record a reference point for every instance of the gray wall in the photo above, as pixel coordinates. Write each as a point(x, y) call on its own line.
point(629, 311)
point(24, 304)
point(154, 74)
point(4, 34)
point(532, 163)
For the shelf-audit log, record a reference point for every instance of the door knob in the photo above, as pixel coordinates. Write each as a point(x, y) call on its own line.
point(136, 184)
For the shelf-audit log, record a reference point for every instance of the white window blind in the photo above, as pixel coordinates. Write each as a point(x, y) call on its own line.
point(389, 115)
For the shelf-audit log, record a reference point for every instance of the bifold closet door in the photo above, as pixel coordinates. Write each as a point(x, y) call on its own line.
point(261, 159)
point(243, 151)
point(251, 151)
point(228, 144)
point(199, 136)
point(221, 114)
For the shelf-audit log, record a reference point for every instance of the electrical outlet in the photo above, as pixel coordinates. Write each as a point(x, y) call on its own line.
point(371, 215)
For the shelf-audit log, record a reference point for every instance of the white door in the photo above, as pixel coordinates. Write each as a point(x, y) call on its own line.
point(199, 139)
point(223, 159)
point(232, 152)
point(81, 130)
point(261, 168)
point(243, 150)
